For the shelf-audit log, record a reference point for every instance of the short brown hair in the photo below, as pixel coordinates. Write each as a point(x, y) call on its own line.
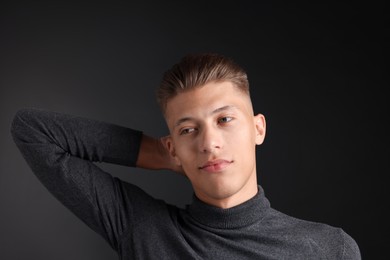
point(196, 70)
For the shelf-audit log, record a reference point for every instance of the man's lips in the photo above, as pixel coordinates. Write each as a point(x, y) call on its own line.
point(215, 165)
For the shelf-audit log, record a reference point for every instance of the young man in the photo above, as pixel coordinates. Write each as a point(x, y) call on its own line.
point(213, 136)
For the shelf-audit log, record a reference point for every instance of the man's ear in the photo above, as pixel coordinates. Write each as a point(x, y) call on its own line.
point(260, 128)
point(169, 145)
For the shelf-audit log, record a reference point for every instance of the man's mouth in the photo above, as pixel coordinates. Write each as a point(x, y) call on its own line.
point(215, 165)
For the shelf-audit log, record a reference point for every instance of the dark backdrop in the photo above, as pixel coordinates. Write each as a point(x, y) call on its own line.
point(316, 73)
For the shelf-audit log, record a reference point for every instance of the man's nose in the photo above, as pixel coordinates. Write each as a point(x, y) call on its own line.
point(210, 140)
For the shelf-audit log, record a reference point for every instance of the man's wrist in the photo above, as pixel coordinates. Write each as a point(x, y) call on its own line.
point(151, 154)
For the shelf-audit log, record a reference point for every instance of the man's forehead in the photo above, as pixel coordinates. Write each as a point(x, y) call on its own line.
point(204, 100)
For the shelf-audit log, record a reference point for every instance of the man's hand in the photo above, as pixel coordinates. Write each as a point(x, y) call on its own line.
point(154, 155)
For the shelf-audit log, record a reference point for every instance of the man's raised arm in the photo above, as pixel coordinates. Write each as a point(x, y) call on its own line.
point(61, 149)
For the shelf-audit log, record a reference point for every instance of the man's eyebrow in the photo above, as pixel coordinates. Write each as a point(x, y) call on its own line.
point(224, 108)
point(218, 110)
point(182, 120)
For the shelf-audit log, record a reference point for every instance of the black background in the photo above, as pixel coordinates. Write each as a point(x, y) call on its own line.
point(316, 73)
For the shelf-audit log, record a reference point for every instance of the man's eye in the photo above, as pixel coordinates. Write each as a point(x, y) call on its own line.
point(186, 131)
point(224, 119)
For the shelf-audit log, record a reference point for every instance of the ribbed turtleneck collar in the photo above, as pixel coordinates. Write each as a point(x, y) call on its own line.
point(239, 216)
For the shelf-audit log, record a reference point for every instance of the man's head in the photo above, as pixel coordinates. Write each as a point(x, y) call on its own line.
point(213, 131)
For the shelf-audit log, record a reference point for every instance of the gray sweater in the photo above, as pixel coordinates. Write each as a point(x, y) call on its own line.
point(62, 150)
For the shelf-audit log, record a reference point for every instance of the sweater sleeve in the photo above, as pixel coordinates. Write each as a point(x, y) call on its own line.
point(351, 250)
point(61, 150)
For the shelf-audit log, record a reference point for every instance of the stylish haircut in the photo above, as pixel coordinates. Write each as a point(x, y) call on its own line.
point(196, 70)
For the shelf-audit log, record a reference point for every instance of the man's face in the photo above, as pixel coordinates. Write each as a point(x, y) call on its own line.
point(213, 137)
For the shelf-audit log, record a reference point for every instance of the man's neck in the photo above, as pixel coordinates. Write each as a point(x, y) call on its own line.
point(248, 191)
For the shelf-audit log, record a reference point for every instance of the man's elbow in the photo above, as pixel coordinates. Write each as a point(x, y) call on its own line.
point(20, 129)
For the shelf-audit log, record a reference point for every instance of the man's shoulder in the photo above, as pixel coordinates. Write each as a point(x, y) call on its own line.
point(326, 239)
